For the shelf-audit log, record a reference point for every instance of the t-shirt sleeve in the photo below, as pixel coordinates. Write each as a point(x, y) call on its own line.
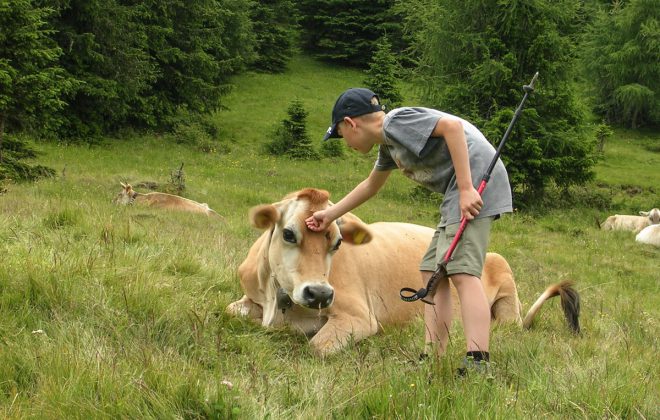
point(411, 127)
point(384, 161)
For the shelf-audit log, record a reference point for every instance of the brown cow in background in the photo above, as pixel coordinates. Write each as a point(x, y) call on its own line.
point(161, 201)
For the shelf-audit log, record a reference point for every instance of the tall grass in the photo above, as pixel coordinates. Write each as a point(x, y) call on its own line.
point(109, 312)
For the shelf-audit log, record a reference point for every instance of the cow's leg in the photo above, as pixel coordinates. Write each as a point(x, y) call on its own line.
point(506, 309)
point(506, 305)
point(341, 330)
point(245, 307)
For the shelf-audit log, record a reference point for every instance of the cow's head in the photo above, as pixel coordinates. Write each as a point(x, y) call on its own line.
point(299, 258)
point(653, 215)
point(125, 196)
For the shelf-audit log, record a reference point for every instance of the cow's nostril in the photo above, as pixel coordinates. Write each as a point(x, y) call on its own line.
point(308, 295)
point(318, 296)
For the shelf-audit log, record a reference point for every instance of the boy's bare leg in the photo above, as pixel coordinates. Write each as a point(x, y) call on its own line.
point(437, 319)
point(475, 311)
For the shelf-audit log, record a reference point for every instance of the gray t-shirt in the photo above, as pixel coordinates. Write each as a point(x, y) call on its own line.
point(408, 145)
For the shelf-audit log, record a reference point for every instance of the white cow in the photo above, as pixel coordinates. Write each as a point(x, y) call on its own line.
point(632, 223)
point(335, 294)
point(649, 235)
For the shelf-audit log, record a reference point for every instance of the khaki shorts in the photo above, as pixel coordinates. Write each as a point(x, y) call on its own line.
point(470, 252)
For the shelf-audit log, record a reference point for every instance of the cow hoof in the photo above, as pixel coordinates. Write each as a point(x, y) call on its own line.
point(241, 308)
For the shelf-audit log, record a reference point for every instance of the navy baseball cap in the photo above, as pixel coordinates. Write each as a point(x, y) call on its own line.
point(352, 103)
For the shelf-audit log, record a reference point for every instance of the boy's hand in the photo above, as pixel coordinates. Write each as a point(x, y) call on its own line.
point(471, 203)
point(319, 221)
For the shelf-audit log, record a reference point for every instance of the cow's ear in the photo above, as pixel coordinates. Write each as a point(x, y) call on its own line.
point(349, 217)
point(264, 216)
point(354, 232)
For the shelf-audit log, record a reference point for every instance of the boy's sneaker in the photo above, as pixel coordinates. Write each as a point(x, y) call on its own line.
point(470, 365)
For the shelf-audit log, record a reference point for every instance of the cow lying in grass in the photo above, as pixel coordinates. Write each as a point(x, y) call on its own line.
point(632, 223)
point(649, 235)
point(302, 278)
point(161, 201)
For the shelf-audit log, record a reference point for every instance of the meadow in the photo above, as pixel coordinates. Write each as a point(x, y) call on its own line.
point(118, 312)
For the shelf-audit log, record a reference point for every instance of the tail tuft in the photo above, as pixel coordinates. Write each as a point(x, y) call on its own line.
point(570, 303)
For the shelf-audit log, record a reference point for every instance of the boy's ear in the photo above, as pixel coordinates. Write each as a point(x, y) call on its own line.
point(350, 122)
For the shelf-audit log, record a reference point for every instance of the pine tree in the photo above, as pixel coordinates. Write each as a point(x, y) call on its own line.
point(332, 148)
point(291, 138)
point(346, 31)
point(197, 46)
point(106, 52)
point(143, 62)
point(31, 84)
point(621, 56)
point(473, 58)
point(274, 27)
point(383, 75)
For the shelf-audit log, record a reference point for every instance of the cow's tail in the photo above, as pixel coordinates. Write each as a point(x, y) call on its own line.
point(570, 303)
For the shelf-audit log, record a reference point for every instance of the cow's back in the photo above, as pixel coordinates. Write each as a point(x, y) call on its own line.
point(173, 202)
point(375, 272)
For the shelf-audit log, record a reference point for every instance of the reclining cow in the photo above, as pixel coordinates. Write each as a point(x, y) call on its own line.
point(649, 235)
point(630, 222)
point(302, 278)
point(161, 201)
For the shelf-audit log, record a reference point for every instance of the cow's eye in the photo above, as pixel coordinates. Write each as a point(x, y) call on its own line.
point(336, 247)
point(289, 236)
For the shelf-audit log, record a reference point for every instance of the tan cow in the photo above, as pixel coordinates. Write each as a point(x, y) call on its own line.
point(302, 278)
point(632, 223)
point(161, 201)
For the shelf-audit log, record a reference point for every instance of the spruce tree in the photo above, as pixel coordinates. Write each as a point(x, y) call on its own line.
point(621, 56)
point(141, 63)
point(473, 58)
point(197, 46)
point(31, 84)
point(291, 138)
point(383, 75)
point(106, 52)
point(332, 148)
point(346, 31)
point(273, 23)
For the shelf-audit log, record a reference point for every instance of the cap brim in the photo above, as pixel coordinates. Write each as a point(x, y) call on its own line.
point(331, 133)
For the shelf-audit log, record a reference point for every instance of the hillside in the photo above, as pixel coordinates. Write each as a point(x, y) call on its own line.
point(118, 312)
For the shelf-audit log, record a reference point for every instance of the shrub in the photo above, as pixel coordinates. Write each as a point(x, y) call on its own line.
point(291, 138)
point(12, 166)
point(332, 148)
point(195, 130)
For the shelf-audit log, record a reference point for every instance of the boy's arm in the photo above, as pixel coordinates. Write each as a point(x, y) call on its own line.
point(452, 131)
point(366, 189)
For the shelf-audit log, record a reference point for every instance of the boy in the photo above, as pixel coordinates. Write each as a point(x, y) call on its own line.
point(445, 154)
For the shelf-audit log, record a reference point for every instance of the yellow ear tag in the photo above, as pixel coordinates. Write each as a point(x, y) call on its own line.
point(359, 237)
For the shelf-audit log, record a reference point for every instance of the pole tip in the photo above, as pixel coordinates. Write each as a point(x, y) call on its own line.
point(530, 86)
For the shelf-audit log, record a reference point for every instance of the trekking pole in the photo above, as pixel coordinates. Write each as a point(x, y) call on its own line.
point(411, 295)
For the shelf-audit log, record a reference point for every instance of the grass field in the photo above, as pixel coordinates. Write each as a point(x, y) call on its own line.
point(109, 312)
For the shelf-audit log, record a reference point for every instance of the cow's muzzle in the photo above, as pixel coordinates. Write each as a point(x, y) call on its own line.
point(318, 296)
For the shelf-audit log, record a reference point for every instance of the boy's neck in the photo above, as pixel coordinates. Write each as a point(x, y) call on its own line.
point(376, 127)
